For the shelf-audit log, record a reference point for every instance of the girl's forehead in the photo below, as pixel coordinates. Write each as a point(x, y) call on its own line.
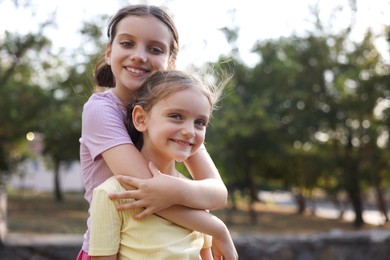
point(190, 99)
point(147, 25)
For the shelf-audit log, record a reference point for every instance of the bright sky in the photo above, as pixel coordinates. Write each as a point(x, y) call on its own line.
point(198, 21)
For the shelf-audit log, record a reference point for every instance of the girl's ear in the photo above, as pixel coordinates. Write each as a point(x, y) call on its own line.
point(139, 117)
point(107, 54)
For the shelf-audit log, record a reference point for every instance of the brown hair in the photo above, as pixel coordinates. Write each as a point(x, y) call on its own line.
point(162, 84)
point(103, 74)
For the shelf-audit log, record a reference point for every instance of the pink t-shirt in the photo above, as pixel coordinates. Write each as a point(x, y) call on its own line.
point(103, 127)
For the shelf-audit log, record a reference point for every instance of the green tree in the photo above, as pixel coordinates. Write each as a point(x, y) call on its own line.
point(61, 126)
point(43, 92)
point(304, 115)
point(21, 97)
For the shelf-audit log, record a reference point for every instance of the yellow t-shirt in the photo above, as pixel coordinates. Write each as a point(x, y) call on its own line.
point(153, 237)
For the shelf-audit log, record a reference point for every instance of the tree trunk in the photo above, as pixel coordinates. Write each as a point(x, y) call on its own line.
point(252, 189)
point(253, 213)
point(354, 193)
point(313, 203)
point(301, 202)
point(253, 200)
point(57, 187)
point(339, 205)
point(234, 201)
point(231, 208)
point(352, 184)
point(379, 196)
point(355, 197)
point(249, 182)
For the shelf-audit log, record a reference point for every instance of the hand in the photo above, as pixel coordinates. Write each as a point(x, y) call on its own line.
point(152, 194)
point(223, 248)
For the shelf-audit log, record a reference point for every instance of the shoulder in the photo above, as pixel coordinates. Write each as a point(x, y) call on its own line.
point(101, 101)
point(110, 185)
point(104, 106)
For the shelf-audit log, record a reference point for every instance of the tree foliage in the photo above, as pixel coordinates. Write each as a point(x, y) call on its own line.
point(44, 93)
point(306, 116)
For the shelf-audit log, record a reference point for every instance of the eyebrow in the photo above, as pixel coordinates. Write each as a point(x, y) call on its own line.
point(180, 110)
point(132, 36)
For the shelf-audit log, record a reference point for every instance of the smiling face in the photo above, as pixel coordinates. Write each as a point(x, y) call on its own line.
point(141, 45)
point(175, 127)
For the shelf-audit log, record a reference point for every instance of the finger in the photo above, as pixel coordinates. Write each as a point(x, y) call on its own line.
point(153, 169)
point(143, 214)
point(128, 206)
point(217, 254)
point(128, 181)
point(130, 194)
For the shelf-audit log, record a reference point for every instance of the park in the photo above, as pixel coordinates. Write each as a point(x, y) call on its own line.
point(301, 137)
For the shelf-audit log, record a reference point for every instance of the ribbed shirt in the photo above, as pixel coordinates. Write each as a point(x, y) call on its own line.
point(153, 237)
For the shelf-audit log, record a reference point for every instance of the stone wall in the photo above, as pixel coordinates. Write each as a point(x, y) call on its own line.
point(39, 252)
point(359, 245)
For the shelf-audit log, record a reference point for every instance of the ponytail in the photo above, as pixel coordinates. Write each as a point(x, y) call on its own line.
point(103, 74)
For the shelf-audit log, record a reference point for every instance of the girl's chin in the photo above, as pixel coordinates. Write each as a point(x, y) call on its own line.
point(182, 158)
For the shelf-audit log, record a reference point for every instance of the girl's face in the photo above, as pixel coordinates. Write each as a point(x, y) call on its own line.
point(141, 45)
point(175, 127)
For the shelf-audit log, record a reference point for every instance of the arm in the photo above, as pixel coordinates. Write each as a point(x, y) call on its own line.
point(209, 183)
point(120, 162)
point(206, 223)
point(127, 161)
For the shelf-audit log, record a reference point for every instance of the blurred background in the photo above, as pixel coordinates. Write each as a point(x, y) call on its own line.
point(304, 124)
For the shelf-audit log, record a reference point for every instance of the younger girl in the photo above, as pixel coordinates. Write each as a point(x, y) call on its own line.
point(167, 122)
point(142, 39)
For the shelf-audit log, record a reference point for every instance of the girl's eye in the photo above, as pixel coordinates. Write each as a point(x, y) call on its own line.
point(156, 50)
point(200, 122)
point(175, 116)
point(126, 44)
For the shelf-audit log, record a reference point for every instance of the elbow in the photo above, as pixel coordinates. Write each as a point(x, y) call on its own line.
point(220, 199)
point(224, 198)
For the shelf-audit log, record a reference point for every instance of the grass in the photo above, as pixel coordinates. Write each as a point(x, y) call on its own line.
point(276, 220)
point(40, 213)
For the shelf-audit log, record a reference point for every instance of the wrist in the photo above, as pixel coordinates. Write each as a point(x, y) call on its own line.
point(179, 191)
point(221, 230)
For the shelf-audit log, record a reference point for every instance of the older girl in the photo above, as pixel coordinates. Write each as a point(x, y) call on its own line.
point(142, 39)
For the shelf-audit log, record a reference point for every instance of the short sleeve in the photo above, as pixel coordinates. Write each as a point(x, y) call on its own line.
point(105, 225)
point(103, 125)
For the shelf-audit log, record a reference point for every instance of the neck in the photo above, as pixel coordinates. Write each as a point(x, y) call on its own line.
point(166, 166)
point(123, 96)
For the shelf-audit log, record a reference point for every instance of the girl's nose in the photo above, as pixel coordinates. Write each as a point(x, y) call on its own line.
point(188, 130)
point(139, 55)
